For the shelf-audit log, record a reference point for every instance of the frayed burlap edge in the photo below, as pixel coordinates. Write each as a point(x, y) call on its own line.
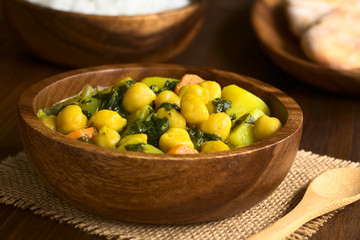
point(21, 188)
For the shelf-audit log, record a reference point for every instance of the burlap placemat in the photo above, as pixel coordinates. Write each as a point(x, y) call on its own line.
point(20, 187)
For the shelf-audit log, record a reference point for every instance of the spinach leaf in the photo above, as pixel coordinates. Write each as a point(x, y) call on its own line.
point(102, 100)
point(154, 88)
point(231, 113)
point(54, 110)
point(143, 147)
point(124, 87)
point(247, 118)
point(85, 139)
point(198, 137)
point(87, 114)
point(251, 120)
point(113, 99)
point(169, 106)
point(240, 120)
point(152, 126)
point(137, 147)
point(221, 105)
point(89, 105)
point(169, 85)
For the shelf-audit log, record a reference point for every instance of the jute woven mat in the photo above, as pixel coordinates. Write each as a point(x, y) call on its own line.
point(20, 187)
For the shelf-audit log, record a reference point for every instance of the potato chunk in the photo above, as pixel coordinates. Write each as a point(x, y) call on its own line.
point(242, 134)
point(243, 101)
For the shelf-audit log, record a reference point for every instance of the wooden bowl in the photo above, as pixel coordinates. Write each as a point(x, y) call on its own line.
point(156, 188)
point(271, 27)
point(79, 40)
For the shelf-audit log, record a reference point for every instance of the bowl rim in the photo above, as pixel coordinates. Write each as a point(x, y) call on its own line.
point(26, 112)
point(194, 4)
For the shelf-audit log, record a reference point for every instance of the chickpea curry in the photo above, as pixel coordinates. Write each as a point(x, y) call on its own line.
point(164, 115)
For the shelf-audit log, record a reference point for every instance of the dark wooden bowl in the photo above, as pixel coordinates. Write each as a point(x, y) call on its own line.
point(271, 27)
point(79, 40)
point(157, 188)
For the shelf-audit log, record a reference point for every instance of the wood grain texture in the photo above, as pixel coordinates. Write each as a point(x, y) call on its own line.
point(20, 225)
point(152, 188)
point(78, 40)
point(226, 41)
point(328, 192)
point(271, 27)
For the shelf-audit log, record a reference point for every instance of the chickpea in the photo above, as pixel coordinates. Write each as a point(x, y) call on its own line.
point(195, 89)
point(108, 118)
point(107, 137)
point(266, 126)
point(138, 96)
point(214, 146)
point(218, 124)
point(166, 96)
point(213, 88)
point(49, 121)
point(175, 118)
point(173, 137)
point(70, 119)
point(211, 108)
point(193, 109)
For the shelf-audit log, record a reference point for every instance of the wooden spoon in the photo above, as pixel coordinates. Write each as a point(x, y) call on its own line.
point(331, 190)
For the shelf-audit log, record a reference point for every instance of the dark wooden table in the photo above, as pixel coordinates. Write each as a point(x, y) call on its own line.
point(227, 42)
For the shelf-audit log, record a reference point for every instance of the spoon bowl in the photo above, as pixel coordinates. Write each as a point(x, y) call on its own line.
point(331, 190)
point(337, 183)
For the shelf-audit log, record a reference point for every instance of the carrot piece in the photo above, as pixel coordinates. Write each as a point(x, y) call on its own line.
point(82, 133)
point(182, 149)
point(188, 79)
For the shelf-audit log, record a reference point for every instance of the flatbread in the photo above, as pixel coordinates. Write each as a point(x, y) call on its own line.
point(334, 40)
point(302, 14)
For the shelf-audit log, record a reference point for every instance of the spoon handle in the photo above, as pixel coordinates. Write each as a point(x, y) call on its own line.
point(284, 226)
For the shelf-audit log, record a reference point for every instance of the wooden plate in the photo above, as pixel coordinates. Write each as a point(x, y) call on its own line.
point(270, 25)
